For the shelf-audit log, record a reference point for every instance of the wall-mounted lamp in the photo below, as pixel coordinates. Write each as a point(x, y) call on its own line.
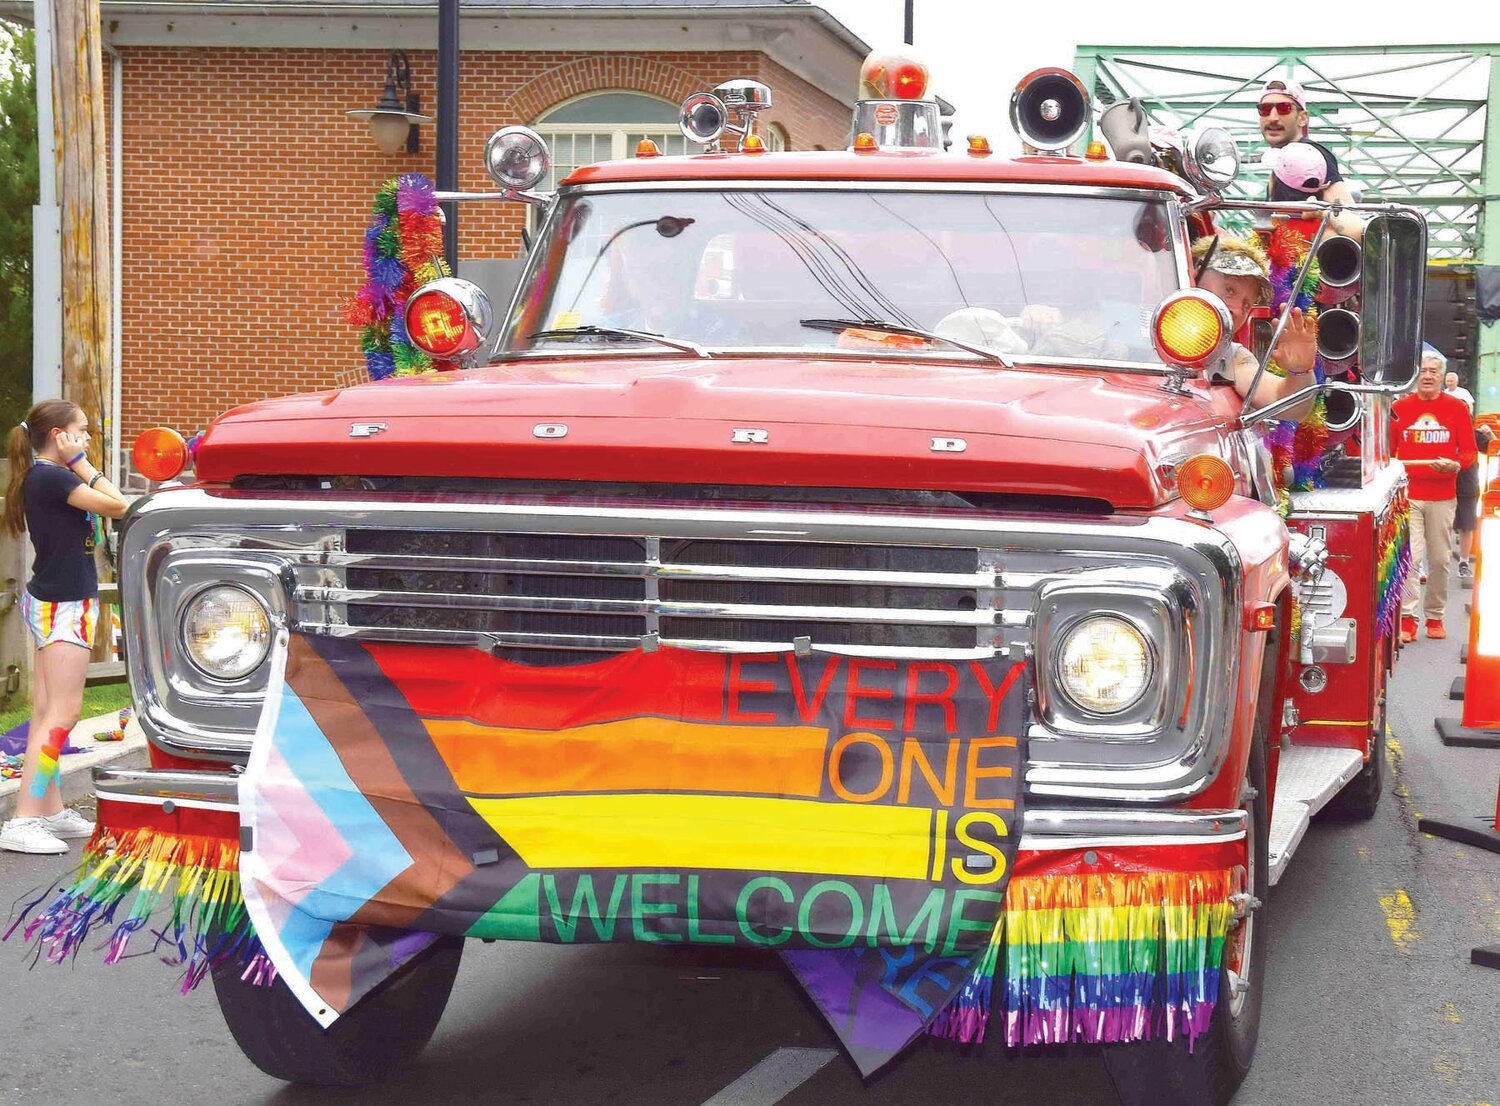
point(393, 121)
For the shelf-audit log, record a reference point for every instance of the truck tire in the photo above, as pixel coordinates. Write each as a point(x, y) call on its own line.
point(1159, 1073)
point(1361, 795)
point(382, 1033)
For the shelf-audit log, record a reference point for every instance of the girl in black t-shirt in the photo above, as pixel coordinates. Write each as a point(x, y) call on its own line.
point(54, 493)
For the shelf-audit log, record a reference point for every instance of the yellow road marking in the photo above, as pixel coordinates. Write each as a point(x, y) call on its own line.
point(1400, 919)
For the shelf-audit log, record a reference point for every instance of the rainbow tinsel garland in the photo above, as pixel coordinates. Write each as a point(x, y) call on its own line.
point(208, 925)
point(403, 248)
point(1100, 958)
point(1393, 564)
point(1297, 448)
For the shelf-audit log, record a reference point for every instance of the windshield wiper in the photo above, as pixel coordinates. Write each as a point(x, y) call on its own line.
point(896, 328)
point(590, 331)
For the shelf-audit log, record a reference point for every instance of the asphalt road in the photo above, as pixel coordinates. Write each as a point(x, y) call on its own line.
point(1371, 998)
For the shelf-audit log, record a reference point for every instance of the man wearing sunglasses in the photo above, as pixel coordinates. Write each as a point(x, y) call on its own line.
point(1283, 120)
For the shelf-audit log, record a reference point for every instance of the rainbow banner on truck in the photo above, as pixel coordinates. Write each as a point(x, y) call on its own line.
point(829, 807)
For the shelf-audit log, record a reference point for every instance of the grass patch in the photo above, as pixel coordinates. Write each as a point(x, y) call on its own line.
point(97, 700)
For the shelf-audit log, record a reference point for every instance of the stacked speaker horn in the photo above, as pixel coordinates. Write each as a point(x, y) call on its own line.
point(1340, 265)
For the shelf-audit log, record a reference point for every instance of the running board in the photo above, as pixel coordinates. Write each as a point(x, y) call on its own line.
point(1308, 778)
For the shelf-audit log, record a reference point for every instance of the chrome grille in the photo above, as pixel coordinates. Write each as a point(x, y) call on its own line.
point(570, 598)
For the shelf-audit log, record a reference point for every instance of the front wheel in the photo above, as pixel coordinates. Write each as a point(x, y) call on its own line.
point(381, 1034)
point(1361, 796)
point(1158, 1073)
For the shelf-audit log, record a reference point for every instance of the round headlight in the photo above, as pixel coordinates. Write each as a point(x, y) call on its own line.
point(1104, 664)
point(226, 632)
point(1213, 160)
point(517, 158)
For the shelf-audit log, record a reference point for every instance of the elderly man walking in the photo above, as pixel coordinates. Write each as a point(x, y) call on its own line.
point(1434, 440)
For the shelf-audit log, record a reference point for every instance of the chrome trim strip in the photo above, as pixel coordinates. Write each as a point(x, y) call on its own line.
point(787, 613)
point(203, 790)
point(636, 569)
point(604, 644)
point(1042, 827)
point(1066, 822)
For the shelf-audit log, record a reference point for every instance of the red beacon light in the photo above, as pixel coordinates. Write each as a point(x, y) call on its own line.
point(448, 318)
point(892, 76)
point(895, 104)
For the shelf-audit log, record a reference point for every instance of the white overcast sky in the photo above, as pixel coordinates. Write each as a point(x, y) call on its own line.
point(977, 49)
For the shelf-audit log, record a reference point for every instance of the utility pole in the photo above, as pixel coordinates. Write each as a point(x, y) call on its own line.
point(447, 123)
point(909, 5)
point(46, 226)
point(77, 57)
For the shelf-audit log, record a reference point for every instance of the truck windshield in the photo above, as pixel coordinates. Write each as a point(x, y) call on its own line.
point(1055, 275)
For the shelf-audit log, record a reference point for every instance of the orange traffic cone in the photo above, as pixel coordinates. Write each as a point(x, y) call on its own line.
point(1480, 726)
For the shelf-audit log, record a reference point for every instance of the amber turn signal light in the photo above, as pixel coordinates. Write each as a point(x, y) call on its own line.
point(1190, 327)
point(1205, 482)
point(159, 453)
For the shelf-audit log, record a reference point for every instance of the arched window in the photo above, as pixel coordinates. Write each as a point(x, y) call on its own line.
point(605, 125)
point(776, 138)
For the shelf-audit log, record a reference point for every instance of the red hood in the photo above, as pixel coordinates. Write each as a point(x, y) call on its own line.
point(868, 424)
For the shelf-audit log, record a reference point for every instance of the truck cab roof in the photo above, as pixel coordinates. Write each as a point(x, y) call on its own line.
point(850, 168)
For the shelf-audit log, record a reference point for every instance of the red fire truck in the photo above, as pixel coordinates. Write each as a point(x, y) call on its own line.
point(883, 405)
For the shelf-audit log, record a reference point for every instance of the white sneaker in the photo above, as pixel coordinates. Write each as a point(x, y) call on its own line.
point(30, 835)
point(67, 824)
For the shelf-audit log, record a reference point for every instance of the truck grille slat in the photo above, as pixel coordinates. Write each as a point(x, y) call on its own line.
point(546, 598)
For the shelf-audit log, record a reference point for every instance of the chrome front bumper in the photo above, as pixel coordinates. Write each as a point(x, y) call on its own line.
point(1043, 828)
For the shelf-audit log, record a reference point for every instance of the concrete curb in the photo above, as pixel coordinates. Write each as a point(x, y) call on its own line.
point(77, 768)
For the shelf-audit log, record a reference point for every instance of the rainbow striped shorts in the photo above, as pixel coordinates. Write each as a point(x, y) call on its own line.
point(75, 621)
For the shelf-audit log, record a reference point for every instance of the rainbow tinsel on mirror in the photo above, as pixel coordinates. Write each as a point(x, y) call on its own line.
point(403, 249)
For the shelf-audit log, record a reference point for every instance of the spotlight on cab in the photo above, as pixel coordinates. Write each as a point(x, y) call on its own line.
point(517, 158)
point(1211, 160)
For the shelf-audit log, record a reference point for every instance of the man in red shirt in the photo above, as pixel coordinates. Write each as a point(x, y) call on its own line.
point(1434, 440)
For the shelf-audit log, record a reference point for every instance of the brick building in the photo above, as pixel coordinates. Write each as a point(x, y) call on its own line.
point(245, 189)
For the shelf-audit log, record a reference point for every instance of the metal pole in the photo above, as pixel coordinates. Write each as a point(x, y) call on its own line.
point(909, 5)
point(1487, 360)
point(46, 227)
point(447, 122)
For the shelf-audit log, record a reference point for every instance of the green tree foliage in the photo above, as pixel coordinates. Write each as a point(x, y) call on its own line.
point(18, 192)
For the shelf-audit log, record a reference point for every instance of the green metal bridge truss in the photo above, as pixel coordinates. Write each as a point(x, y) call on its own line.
point(1417, 124)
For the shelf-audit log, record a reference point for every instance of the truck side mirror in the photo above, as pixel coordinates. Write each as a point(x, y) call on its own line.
point(1392, 281)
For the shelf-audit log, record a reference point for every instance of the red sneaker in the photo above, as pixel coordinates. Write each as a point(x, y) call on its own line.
point(1408, 628)
point(1435, 628)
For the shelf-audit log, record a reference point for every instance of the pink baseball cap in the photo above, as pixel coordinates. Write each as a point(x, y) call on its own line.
point(1290, 89)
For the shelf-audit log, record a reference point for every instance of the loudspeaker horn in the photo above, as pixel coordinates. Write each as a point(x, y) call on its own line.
point(1049, 110)
point(703, 117)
